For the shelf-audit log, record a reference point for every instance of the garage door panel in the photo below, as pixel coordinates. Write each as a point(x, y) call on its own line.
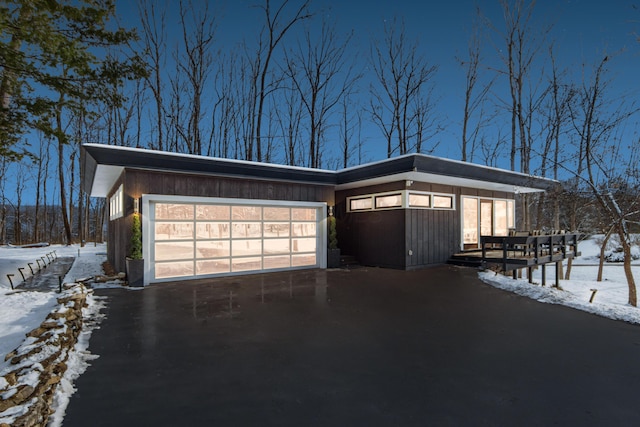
point(174, 269)
point(173, 230)
point(272, 229)
point(303, 260)
point(173, 211)
point(246, 229)
point(304, 229)
point(200, 239)
point(216, 266)
point(212, 249)
point(213, 212)
point(276, 246)
point(271, 262)
point(246, 264)
point(246, 213)
point(170, 251)
point(246, 247)
point(276, 214)
point(213, 230)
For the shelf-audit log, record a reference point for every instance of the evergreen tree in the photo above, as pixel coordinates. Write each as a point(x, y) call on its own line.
point(56, 55)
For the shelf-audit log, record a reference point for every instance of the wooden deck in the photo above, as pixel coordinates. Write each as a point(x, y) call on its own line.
point(511, 253)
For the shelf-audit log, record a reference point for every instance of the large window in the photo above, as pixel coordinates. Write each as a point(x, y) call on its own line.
point(193, 239)
point(485, 217)
point(400, 199)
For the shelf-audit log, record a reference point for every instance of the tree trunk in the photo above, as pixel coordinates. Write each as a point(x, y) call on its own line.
point(626, 248)
point(63, 194)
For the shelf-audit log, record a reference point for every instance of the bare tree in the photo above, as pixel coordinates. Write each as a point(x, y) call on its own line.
point(402, 77)
point(153, 32)
point(350, 123)
point(276, 26)
point(555, 122)
point(522, 42)
point(475, 96)
point(195, 62)
point(289, 119)
point(322, 75)
point(611, 164)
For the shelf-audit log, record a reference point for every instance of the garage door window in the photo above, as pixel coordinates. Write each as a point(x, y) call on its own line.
point(200, 240)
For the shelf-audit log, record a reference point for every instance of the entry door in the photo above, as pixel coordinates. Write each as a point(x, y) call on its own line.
point(486, 217)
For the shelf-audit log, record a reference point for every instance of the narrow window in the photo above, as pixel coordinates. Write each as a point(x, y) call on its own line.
point(419, 200)
point(443, 202)
point(389, 201)
point(116, 204)
point(360, 204)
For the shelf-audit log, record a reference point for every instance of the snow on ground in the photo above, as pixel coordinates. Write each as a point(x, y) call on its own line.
point(23, 310)
point(611, 296)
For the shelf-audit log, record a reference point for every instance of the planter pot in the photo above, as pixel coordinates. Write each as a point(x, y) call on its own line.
point(135, 272)
point(333, 258)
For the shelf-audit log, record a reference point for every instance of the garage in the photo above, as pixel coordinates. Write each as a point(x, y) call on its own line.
point(195, 237)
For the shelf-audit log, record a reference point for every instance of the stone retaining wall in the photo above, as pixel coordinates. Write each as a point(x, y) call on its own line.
point(40, 362)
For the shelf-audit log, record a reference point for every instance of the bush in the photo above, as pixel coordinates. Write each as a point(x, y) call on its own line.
point(333, 234)
point(136, 238)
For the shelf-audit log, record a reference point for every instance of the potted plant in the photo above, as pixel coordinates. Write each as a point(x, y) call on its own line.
point(135, 262)
point(333, 253)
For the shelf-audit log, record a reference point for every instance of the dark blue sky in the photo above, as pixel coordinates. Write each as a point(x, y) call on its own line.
point(583, 32)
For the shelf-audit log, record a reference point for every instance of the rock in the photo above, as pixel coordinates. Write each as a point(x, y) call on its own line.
point(11, 378)
point(24, 393)
point(10, 355)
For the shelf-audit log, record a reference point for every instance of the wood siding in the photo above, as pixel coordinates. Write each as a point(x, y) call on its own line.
point(138, 182)
point(431, 235)
point(375, 238)
point(383, 238)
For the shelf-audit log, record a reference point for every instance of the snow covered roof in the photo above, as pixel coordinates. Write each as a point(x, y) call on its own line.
point(105, 163)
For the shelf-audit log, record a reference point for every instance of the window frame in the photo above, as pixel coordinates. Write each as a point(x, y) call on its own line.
point(405, 197)
point(116, 204)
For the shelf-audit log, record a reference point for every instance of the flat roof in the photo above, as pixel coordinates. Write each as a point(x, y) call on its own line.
point(105, 163)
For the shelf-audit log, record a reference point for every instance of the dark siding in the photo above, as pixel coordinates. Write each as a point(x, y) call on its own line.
point(374, 238)
point(432, 236)
point(118, 234)
point(139, 182)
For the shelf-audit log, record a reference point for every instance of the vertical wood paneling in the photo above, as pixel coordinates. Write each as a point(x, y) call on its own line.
point(138, 182)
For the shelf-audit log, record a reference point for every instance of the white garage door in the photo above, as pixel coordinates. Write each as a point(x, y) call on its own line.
point(222, 237)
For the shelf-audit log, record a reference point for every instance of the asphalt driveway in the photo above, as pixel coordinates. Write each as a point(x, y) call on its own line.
point(367, 347)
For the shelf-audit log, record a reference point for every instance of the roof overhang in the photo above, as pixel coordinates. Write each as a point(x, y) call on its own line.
point(104, 164)
point(437, 170)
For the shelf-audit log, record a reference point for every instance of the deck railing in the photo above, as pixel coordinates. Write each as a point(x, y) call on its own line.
point(522, 250)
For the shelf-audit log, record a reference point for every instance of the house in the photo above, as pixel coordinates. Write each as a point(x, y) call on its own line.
point(209, 217)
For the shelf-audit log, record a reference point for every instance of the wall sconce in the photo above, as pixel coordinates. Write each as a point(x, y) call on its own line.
point(330, 210)
point(136, 205)
point(408, 183)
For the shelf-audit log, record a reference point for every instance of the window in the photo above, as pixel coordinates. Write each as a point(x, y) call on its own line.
point(116, 204)
point(360, 204)
point(442, 202)
point(419, 200)
point(390, 201)
point(400, 199)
